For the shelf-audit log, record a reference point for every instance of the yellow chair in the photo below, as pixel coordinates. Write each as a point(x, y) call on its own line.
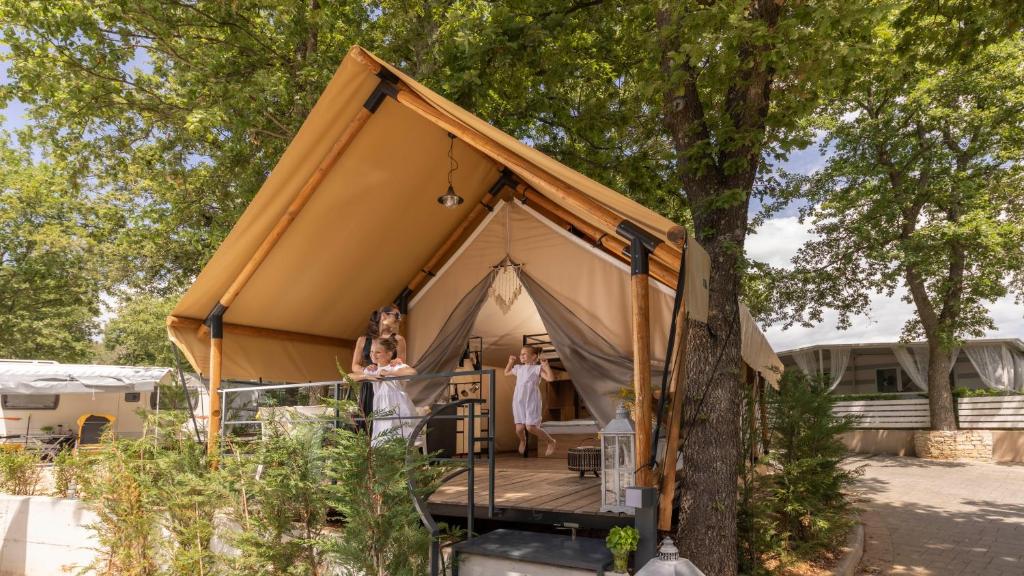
point(91, 428)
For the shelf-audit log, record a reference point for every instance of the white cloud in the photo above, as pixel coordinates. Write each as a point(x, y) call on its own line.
point(777, 241)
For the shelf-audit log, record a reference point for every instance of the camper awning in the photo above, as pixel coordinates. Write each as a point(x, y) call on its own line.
point(372, 225)
point(30, 378)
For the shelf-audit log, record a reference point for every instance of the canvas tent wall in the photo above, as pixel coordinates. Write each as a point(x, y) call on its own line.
point(298, 310)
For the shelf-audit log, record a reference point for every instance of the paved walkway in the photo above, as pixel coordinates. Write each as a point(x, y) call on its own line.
point(941, 518)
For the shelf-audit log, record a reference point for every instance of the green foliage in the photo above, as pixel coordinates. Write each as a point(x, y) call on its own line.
point(154, 498)
point(982, 392)
point(19, 471)
point(67, 468)
point(382, 533)
point(621, 541)
point(279, 493)
point(794, 504)
point(875, 396)
point(922, 190)
point(49, 284)
point(137, 335)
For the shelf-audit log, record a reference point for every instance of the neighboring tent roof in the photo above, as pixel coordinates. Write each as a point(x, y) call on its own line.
point(51, 378)
point(335, 264)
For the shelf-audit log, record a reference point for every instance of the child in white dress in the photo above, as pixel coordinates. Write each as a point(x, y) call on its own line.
point(391, 403)
point(526, 402)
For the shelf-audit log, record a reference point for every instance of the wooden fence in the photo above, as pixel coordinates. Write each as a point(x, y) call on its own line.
point(990, 412)
point(909, 413)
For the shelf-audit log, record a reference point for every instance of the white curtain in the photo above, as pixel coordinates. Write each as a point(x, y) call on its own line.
point(839, 358)
point(807, 360)
point(914, 361)
point(995, 365)
point(1018, 370)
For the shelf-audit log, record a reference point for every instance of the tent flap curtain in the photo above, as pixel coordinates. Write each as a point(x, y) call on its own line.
point(914, 361)
point(838, 359)
point(599, 371)
point(807, 360)
point(446, 350)
point(995, 365)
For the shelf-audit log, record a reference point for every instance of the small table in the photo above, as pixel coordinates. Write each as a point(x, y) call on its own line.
point(585, 459)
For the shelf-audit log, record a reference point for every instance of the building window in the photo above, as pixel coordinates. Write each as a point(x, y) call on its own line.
point(30, 401)
point(132, 396)
point(887, 380)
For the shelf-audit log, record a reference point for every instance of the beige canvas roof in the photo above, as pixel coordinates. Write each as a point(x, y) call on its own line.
point(372, 224)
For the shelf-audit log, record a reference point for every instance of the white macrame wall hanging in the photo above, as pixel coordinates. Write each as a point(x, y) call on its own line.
point(506, 288)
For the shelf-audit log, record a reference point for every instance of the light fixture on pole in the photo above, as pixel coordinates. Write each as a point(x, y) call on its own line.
point(450, 199)
point(618, 462)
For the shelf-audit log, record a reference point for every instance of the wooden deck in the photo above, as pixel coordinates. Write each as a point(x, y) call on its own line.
point(539, 490)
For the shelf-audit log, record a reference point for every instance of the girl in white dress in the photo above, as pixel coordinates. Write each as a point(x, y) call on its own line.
point(391, 403)
point(526, 402)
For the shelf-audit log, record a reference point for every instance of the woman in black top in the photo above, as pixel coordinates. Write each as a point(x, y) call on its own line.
point(384, 322)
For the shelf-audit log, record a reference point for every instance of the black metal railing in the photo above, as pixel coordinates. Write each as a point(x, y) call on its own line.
point(420, 500)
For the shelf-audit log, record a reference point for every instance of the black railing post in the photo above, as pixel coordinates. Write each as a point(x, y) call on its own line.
point(490, 444)
point(471, 449)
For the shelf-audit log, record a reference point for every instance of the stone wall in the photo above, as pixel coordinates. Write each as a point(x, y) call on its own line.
point(954, 445)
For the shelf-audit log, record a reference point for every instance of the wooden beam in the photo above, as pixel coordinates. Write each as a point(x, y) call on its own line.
point(641, 323)
point(243, 330)
point(567, 193)
point(612, 244)
point(676, 392)
point(298, 203)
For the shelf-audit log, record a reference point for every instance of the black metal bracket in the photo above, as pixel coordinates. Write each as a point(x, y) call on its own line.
point(641, 244)
point(215, 321)
point(507, 178)
point(388, 86)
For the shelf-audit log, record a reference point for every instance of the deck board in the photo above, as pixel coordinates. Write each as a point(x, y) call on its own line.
point(527, 483)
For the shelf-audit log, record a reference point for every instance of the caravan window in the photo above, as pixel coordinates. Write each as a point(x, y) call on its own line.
point(30, 401)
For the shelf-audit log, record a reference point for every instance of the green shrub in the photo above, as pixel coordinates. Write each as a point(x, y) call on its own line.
point(19, 472)
point(67, 467)
point(793, 502)
point(982, 392)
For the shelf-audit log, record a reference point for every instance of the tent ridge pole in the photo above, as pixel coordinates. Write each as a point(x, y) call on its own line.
point(412, 100)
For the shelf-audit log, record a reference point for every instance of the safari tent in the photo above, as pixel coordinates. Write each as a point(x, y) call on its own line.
point(351, 219)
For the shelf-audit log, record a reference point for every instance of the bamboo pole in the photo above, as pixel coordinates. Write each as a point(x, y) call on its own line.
point(609, 219)
point(296, 206)
point(611, 245)
point(676, 392)
point(243, 330)
point(213, 424)
point(614, 245)
point(641, 320)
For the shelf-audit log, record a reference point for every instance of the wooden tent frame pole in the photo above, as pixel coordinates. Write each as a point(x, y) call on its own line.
point(664, 251)
point(385, 87)
point(640, 297)
point(676, 392)
point(662, 271)
point(216, 363)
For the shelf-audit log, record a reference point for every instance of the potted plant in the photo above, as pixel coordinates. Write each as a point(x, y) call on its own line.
point(46, 429)
point(620, 542)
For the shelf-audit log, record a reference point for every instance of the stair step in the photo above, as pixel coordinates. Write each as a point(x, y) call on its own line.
point(533, 553)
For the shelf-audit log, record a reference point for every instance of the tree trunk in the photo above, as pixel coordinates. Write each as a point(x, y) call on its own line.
point(711, 430)
point(940, 396)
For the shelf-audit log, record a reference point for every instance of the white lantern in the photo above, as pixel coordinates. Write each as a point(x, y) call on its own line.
point(668, 563)
point(618, 462)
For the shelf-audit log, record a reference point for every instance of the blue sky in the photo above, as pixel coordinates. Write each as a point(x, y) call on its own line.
point(775, 242)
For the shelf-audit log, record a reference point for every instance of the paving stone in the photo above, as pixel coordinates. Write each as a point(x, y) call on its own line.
point(926, 518)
